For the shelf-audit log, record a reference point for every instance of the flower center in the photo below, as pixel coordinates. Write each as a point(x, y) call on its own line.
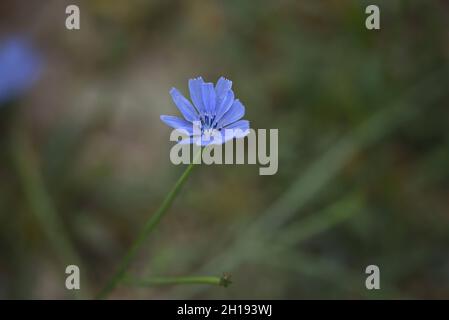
point(207, 124)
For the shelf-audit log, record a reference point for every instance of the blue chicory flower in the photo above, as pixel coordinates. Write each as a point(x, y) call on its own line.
point(213, 118)
point(20, 67)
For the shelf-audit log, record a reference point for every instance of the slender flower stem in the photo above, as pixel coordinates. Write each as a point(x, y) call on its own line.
point(149, 226)
point(161, 281)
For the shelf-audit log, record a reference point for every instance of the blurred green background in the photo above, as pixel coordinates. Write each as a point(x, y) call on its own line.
point(363, 149)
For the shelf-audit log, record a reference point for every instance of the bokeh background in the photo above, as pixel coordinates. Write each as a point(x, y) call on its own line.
point(363, 148)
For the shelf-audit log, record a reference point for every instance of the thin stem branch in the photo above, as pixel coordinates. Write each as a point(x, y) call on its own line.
point(162, 281)
point(149, 226)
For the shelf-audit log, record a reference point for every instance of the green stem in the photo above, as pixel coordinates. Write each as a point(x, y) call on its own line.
point(149, 226)
point(161, 281)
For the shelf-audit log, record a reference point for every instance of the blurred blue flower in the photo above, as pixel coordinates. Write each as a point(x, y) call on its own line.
point(20, 67)
point(214, 113)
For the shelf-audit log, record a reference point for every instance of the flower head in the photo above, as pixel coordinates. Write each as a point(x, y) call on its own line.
point(213, 118)
point(19, 67)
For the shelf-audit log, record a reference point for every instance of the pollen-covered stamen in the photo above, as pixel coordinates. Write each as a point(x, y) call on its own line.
point(208, 127)
point(207, 122)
